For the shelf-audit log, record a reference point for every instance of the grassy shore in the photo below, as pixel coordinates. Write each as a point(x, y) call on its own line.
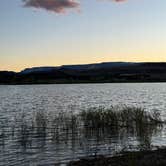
point(137, 119)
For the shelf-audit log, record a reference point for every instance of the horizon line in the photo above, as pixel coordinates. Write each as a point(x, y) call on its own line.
point(82, 64)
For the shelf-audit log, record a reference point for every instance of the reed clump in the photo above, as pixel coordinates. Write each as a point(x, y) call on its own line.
point(119, 117)
point(97, 123)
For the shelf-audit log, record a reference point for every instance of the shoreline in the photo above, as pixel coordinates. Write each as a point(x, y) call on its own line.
point(83, 82)
point(140, 158)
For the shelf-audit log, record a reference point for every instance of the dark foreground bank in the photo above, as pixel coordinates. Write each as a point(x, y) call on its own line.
point(141, 158)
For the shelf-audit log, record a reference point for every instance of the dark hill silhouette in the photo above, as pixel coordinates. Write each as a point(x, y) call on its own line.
point(99, 72)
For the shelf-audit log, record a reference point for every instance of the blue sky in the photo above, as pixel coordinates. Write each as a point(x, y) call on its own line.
point(101, 30)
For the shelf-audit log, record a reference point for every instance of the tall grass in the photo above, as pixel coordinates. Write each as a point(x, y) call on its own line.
point(97, 123)
point(119, 117)
point(134, 121)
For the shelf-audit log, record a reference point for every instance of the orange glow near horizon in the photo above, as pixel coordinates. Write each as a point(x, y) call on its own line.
point(134, 31)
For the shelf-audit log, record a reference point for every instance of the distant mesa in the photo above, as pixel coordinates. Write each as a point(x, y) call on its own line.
point(77, 67)
point(88, 73)
point(37, 69)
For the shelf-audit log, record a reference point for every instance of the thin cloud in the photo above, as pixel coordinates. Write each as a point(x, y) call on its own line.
point(57, 6)
point(119, 0)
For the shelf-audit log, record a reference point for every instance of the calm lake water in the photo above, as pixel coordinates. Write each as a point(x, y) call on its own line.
point(18, 104)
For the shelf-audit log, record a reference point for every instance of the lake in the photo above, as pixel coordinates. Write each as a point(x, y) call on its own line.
point(19, 103)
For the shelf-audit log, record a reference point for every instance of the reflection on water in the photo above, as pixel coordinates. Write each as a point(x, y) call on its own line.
point(35, 129)
point(58, 138)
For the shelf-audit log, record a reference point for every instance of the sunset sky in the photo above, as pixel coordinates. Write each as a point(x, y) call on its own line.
point(49, 33)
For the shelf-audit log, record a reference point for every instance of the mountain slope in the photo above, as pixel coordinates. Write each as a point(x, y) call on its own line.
point(99, 72)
